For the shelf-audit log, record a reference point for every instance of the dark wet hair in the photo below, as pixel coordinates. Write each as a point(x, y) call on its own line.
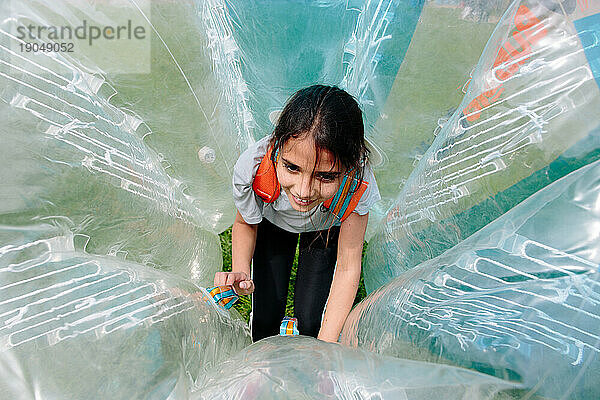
point(334, 120)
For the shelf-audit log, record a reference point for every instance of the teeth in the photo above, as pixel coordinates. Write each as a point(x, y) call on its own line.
point(301, 201)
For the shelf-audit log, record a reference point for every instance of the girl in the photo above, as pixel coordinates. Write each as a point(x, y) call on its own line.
point(309, 182)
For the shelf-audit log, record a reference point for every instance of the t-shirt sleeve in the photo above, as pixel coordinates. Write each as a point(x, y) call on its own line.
point(248, 204)
point(371, 195)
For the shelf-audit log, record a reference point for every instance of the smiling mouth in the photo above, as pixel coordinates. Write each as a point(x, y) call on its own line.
point(302, 202)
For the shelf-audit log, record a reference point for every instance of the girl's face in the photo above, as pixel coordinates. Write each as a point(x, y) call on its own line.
point(305, 182)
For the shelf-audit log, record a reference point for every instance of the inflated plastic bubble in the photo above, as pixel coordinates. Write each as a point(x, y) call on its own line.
point(287, 45)
point(302, 367)
point(130, 149)
point(432, 80)
point(171, 80)
point(79, 326)
point(68, 155)
point(518, 299)
point(530, 117)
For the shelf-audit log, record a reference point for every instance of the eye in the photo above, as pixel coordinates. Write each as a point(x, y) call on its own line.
point(290, 167)
point(326, 177)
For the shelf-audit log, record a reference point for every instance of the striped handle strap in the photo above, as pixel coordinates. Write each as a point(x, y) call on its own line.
point(223, 295)
point(347, 197)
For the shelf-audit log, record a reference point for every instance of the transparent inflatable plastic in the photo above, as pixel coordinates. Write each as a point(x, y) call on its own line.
point(199, 107)
point(302, 367)
point(518, 299)
point(110, 169)
point(530, 116)
point(71, 157)
point(179, 101)
point(79, 326)
point(430, 83)
point(358, 45)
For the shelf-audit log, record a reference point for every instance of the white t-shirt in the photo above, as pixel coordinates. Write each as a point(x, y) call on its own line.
point(281, 213)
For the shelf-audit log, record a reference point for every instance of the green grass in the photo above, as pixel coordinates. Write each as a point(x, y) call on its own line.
point(243, 305)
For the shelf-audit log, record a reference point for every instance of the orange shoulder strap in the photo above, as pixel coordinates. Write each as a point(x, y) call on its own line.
point(265, 184)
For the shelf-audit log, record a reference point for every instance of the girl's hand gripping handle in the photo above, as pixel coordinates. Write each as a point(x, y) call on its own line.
point(241, 282)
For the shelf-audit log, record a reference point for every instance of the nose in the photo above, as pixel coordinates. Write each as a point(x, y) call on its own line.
point(305, 187)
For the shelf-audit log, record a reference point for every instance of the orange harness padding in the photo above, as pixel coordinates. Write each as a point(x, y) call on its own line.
point(341, 205)
point(265, 184)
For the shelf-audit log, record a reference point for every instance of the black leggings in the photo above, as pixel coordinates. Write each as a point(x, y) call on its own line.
point(272, 265)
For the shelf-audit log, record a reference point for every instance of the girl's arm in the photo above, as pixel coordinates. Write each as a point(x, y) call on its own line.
point(243, 240)
point(346, 278)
